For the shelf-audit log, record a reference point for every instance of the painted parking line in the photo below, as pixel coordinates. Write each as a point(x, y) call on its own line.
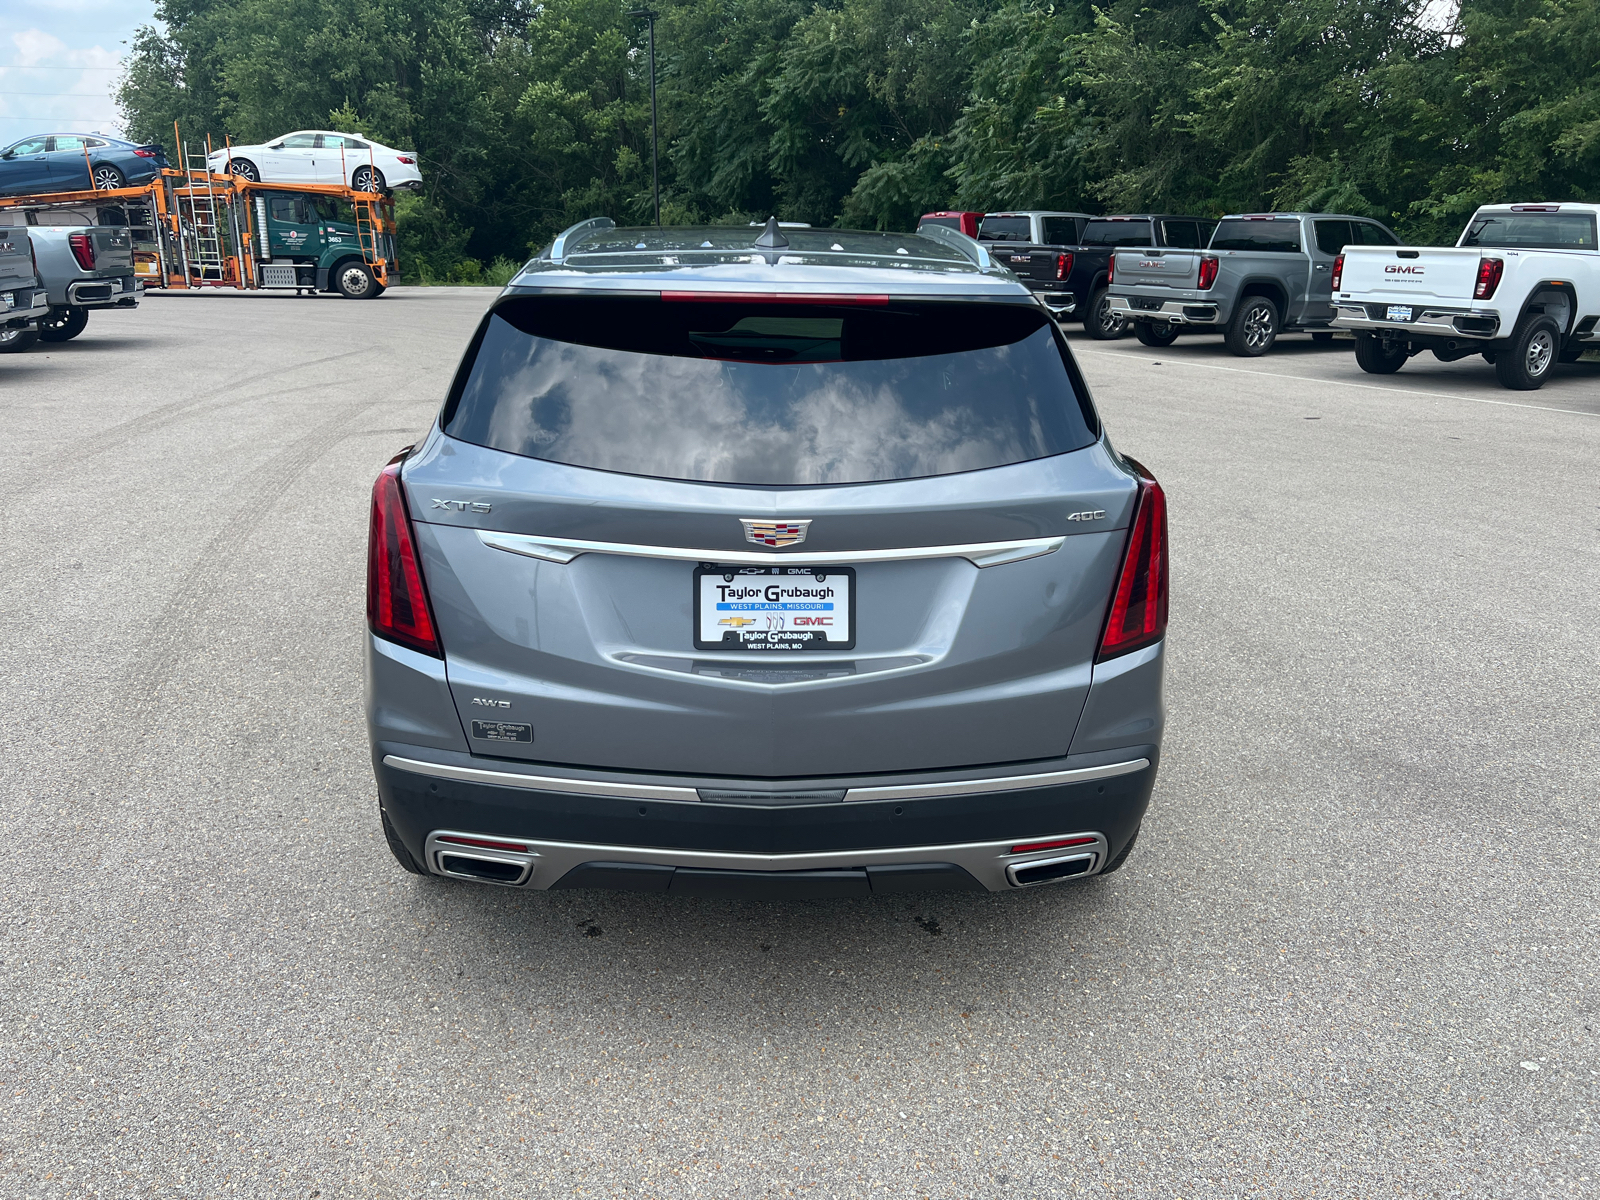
point(1371, 387)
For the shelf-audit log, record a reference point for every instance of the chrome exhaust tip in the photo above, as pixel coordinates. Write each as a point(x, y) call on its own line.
point(1050, 870)
point(480, 858)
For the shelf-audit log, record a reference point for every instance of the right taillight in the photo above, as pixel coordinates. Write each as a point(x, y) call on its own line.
point(397, 599)
point(1489, 272)
point(1063, 265)
point(1111, 268)
point(1208, 270)
point(1138, 615)
point(82, 249)
point(1338, 272)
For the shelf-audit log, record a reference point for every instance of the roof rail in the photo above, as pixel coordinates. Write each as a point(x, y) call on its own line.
point(958, 241)
point(570, 237)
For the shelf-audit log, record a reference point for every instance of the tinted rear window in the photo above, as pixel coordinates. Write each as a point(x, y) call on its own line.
point(1060, 231)
point(947, 222)
point(1535, 231)
point(1119, 233)
point(769, 394)
point(1281, 237)
point(1005, 229)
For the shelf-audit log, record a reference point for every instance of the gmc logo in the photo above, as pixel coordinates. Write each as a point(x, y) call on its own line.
point(1398, 270)
point(813, 620)
point(1152, 262)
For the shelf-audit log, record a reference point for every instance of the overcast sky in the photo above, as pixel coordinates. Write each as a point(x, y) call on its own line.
point(59, 60)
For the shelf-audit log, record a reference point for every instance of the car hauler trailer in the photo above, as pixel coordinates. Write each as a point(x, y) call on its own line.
point(192, 230)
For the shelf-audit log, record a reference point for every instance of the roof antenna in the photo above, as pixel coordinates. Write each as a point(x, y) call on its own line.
point(772, 236)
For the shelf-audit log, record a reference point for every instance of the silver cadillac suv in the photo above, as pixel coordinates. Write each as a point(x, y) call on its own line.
point(773, 563)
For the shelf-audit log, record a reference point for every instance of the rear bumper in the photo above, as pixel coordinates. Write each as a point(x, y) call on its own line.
point(27, 305)
point(1428, 321)
point(1170, 312)
point(761, 839)
point(122, 292)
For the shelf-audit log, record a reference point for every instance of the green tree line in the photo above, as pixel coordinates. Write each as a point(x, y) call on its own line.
point(528, 115)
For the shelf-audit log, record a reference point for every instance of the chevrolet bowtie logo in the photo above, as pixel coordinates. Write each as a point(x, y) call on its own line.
point(774, 533)
point(737, 622)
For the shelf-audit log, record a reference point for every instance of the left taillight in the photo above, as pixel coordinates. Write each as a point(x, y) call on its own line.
point(1138, 613)
point(397, 598)
point(82, 249)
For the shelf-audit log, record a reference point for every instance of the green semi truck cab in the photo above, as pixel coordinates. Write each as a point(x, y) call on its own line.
point(317, 243)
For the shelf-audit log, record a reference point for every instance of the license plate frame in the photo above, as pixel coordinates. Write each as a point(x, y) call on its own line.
point(1401, 312)
point(793, 613)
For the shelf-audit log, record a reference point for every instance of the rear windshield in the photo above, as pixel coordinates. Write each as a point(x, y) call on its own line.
point(1282, 237)
point(1005, 229)
point(769, 394)
point(1118, 233)
point(1534, 231)
point(947, 222)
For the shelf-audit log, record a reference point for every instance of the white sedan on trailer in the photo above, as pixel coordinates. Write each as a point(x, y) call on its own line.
point(321, 156)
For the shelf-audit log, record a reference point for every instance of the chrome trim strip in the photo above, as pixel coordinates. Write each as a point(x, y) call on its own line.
point(988, 862)
point(913, 791)
point(1004, 783)
point(541, 783)
point(564, 550)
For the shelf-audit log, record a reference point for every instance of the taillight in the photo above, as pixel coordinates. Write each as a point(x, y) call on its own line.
point(1138, 615)
point(1209, 264)
point(410, 162)
point(397, 600)
point(1111, 268)
point(82, 249)
point(1489, 272)
point(142, 153)
point(1063, 265)
point(1338, 272)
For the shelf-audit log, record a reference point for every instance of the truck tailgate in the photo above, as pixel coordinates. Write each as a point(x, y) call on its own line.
point(113, 250)
point(1390, 273)
point(1156, 268)
point(1037, 265)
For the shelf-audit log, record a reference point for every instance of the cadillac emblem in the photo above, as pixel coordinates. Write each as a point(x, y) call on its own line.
point(774, 533)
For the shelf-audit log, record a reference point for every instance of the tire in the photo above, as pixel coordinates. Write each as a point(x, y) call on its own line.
point(1378, 357)
point(398, 848)
point(367, 179)
point(63, 324)
point(353, 281)
point(107, 178)
point(1099, 322)
point(1526, 363)
point(244, 169)
point(1153, 333)
point(1322, 339)
point(1116, 863)
point(1253, 327)
point(15, 341)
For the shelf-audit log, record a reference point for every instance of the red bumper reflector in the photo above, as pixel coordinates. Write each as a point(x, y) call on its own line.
point(769, 298)
point(1057, 844)
point(485, 844)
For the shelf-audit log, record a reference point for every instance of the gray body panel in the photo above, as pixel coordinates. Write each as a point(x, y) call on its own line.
point(109, 284)
point(17, 279)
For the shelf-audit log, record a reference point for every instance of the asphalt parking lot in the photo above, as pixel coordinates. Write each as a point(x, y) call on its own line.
point(1354, 953)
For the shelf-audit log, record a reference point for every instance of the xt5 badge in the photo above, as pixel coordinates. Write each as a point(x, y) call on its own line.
point(472, 506)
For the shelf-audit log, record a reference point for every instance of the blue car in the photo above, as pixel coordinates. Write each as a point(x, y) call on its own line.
point(63, 162)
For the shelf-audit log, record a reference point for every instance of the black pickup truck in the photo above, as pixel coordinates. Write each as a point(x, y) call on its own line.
point(1089, 269)
point(1034, 245)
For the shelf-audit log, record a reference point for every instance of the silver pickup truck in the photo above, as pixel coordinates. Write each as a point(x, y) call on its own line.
point(81, 268)
point(22, 303)
point(1262, 274)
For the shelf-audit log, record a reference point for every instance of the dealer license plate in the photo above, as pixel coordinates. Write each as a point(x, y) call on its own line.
point(774, 609)
point(1400, 312)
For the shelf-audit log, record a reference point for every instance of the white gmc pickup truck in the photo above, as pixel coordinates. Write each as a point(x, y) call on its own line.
point(1521, 287)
